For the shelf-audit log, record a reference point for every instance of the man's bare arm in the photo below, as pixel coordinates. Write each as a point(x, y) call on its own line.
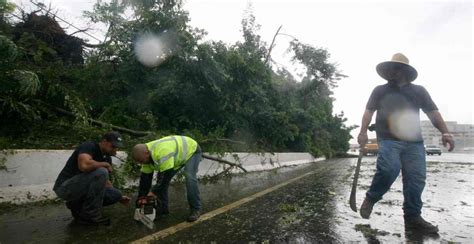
point(438, 122)
point(87, 164)
point(366, 118)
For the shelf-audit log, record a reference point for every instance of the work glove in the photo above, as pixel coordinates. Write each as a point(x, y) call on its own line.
point(147, 200)
point(141, 201)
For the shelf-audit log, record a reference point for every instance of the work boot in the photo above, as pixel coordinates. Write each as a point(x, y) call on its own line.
point(95, 219)
point(100, 220)
point(419, 224)
point(366, 208)
point(195, 214)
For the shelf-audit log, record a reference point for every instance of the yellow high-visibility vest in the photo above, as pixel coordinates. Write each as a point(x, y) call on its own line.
point(169, 152)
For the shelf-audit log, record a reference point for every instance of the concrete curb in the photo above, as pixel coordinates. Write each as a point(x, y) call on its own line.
point(30, 174)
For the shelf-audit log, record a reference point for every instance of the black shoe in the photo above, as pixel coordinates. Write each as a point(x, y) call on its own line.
point(195, 214)
point(94, 221)
point(419, 224)
point(75, 209)
point(366, 208)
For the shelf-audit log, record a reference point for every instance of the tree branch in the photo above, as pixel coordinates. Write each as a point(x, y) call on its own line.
point(224, 161)
point(224, 140)
point(224, 172)
point(104, 124)
point(79, 31)
point(92, 45)
point(271, 45)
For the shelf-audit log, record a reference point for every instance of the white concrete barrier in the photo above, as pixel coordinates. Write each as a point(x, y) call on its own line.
point(30, 174)
point(255, 161)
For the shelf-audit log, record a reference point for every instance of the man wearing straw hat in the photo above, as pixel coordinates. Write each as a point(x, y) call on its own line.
point(398, 129)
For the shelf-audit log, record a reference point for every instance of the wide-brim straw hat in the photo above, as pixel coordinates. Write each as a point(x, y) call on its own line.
point(399, 61)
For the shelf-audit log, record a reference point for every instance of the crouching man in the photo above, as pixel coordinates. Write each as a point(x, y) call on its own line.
point(84, 181)
point(167, 156)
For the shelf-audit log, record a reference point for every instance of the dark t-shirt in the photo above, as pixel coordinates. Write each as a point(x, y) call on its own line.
point(72, 168)
point(398, 110)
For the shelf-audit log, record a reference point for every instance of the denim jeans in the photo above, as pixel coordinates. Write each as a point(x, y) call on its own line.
point(192, 190)
point(409, 157)
point(88, 192)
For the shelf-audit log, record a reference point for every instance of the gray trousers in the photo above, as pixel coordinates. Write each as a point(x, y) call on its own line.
point(88, 193)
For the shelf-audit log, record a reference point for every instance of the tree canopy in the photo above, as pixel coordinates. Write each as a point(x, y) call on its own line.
point(213, 91)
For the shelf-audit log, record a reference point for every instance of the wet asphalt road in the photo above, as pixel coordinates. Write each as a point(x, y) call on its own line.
point(312, 209)
point(302, 211)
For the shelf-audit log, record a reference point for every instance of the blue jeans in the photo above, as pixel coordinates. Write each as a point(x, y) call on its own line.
point(192, 190)
point(87, 192)
point(410, 158)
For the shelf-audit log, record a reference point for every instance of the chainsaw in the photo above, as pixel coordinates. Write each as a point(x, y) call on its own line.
point(146, 212)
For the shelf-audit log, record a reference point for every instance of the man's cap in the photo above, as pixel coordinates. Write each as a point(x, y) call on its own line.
point(113, 137)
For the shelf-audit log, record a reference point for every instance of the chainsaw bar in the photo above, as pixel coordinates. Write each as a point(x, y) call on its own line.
point(146, 221)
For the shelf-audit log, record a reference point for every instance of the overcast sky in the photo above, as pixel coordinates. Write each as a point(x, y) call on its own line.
point(436, 36)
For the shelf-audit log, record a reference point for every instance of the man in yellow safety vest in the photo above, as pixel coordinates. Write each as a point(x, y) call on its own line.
point(167, 156)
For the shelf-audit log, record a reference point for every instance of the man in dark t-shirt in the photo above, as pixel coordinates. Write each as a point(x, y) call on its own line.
point(398, 104)
point(84, 183)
